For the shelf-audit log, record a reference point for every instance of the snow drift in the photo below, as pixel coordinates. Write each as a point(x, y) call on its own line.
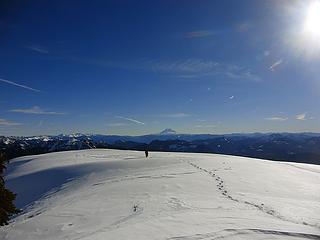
point(112, 194)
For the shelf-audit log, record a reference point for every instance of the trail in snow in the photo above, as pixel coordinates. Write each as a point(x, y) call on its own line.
point(262, 207)
point(257, 234)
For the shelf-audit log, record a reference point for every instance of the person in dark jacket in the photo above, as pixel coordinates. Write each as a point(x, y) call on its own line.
point(146, 153)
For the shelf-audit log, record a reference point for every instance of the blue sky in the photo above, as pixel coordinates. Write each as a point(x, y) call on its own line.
point(137, 67)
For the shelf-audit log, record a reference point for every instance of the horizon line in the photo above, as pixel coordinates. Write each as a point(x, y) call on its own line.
point(159, 133)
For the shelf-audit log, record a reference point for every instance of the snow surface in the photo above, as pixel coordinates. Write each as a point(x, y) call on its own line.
point(113, 194)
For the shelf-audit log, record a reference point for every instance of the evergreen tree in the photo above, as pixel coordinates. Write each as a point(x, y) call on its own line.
point(7, 207)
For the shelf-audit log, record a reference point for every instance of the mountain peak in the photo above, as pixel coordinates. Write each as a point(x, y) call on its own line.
point(168, 131)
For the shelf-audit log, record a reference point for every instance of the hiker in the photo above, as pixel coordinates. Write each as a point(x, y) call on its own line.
point(146, 153)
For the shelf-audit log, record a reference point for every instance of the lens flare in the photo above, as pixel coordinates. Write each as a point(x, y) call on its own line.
point(312, 23)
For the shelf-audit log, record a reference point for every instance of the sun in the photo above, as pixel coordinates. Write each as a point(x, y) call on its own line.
point(312, 22)
point(305, 39)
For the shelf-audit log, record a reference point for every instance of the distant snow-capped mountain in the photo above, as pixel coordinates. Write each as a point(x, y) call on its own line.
point(168, 131)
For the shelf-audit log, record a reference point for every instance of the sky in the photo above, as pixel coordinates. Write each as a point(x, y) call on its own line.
point(137, 67)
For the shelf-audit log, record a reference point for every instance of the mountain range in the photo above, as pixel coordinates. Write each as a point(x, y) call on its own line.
point(294, 147)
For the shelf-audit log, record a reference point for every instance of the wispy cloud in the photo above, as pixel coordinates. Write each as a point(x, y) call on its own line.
point(199, 34)
point(206, 126)
point(38, 49)
point(197, 68)
point(236, 72)
point(231, 97)
point(301, 117)
point(116, 124)
point(183, 68)
point(174, 115)
point(187, 66)
point(276, 65)
point(190, 76)
point(202, 33)
point(131, 120)
point(243, 26)
point(276, 119)
point(4, 122)
point(19, 85)
point(36, 110)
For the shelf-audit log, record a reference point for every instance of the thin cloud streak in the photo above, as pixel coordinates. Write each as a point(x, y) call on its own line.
point(199, 34)
point(243, 27)
point(276, 119)
point(201, 120)
point(301, 117)
point(38, 49)
point(116, 124)
point(19, 85)
point(206, 126)
point(181, 68)
point(131, 120)
point(4, 122)
point(36, 110)
point(174, 115)
point(275, 65)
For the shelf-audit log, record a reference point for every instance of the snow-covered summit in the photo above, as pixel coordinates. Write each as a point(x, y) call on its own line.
point(168, 131)
point(113, 194)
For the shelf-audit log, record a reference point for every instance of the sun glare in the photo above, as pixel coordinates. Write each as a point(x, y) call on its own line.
point(312, 23)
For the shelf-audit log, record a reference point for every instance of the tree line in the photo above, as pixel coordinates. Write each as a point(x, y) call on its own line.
point(7, 207)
